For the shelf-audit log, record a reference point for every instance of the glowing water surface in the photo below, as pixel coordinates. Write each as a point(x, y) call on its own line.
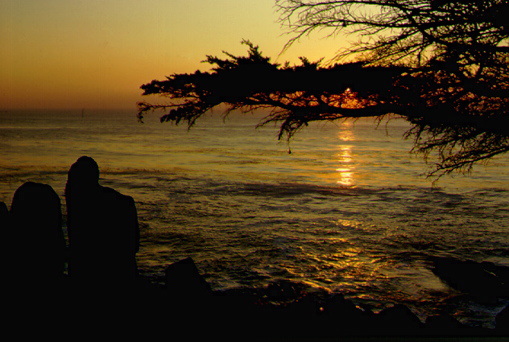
point(348, 210)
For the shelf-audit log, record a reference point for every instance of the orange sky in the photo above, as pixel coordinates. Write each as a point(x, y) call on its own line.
point(96, 53)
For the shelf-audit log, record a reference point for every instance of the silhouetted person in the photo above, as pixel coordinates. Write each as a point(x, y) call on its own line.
point(36, 241)
point(102, 227)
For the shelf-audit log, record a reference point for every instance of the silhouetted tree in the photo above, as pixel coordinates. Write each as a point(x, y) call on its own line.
point(443, 65)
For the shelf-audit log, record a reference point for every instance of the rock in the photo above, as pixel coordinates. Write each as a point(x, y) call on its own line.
point(184, 279)
point(502, 320)
point(337, 305)
point(443, 325)
point(485, 281)
point(283, 290)
point(346, 317)
point(398, 319)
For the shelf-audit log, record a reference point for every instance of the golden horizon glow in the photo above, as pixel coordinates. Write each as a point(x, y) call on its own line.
point(96, 54)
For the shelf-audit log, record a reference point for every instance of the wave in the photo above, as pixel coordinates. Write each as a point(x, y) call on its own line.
point(209, 182)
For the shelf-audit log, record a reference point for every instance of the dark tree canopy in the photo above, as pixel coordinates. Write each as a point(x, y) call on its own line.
point(443, 65)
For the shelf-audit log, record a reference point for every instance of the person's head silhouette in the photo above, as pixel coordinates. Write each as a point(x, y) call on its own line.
point(84, 172)
point(36, 222)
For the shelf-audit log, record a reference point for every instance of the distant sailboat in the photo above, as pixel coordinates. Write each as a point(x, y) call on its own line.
point(83, 113)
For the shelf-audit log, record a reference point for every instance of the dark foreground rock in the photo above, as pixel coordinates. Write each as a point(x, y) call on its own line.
point(484, 281)
point(185, 308)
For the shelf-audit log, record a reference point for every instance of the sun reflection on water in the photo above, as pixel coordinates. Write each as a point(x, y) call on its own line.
point(345, 156)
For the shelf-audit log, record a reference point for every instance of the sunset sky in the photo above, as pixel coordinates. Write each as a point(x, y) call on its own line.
point(97, 53)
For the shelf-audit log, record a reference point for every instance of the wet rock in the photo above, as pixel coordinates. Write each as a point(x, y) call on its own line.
point(502, 320)
point(303, 307)
point(184, 279)
point(444, 325)
point(398, 319)
point(282, 291)
point(483, 280)
point(346, 317)
point(337, 306)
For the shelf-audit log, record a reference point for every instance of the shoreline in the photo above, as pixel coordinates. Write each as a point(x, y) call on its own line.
point(280, 311)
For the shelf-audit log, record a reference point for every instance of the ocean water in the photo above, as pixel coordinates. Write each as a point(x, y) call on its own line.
point(348, 210)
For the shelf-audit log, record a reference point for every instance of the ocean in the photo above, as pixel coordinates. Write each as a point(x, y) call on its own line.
point(349, 210)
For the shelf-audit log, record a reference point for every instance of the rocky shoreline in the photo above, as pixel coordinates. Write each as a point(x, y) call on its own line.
point(105, 295)
point(288, 310)
point(187, 306)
